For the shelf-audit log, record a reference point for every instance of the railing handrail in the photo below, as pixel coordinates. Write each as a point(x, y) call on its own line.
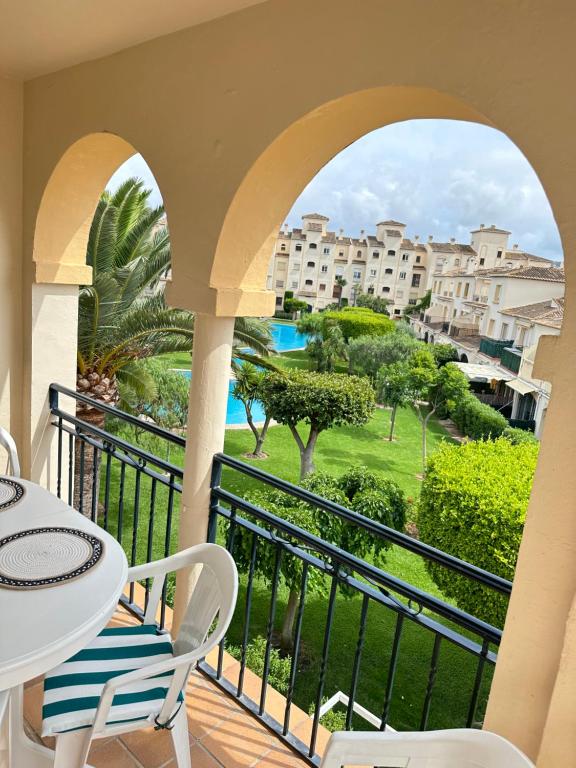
point(391, 534)
point(154, 429)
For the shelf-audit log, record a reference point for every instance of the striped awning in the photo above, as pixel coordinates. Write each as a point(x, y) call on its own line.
point(522, 387)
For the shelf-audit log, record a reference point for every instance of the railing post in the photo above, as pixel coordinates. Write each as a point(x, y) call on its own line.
point(204, 437)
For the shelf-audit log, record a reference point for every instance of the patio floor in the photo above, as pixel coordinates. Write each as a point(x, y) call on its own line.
point(221, 732)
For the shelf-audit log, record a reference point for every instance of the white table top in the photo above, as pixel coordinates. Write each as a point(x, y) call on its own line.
point(40, 628)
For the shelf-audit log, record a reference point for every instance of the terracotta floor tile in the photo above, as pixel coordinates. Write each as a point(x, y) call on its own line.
point(152, 748)
point(207, 707)
point(239, 742)
point(111, 754)
point(304, 731)
point(280, 757)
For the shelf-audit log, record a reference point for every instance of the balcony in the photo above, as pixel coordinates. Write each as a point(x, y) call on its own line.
point(400, 639)
point(493, 347)
point(510, 358)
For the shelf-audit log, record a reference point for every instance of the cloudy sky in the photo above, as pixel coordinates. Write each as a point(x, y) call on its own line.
point(441, 177)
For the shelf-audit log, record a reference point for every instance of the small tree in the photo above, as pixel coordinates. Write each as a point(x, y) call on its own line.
point(430, 387)
point(247, 389)
point(393, 389)
point(341, 282)
point(293, 306)
point(358, 489)
point(375, 303)
point(420, 306)
point(326, 343)
point(320, 400)
point(367, 354)
point(444, 353)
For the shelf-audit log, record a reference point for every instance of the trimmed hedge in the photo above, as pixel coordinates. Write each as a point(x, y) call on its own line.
point(473, 506)
point(354, 322)
point(477, 420)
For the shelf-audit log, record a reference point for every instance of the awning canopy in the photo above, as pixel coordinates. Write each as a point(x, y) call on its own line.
point(521, 386)
point(483, 373)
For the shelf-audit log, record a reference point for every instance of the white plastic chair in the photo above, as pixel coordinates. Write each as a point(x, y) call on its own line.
point(160, 664)
point(4, 739)
point(457, 748)
point(7, 442)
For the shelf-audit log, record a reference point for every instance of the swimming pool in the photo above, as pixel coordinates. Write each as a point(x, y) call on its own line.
point(285, 337)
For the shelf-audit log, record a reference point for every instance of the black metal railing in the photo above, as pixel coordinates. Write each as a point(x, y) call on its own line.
point(128, 490)
point(393, 654)
point(243, 524)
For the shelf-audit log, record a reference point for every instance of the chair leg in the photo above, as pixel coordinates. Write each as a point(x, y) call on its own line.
point(181, 739)
point(72, 749)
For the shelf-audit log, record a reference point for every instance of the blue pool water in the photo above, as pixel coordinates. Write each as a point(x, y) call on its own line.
point(286, 337)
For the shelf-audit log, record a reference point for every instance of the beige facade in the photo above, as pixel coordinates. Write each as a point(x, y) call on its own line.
point(233, 129)
point(308, 261)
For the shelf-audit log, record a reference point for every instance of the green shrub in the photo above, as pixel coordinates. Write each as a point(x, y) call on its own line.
point(444, 353)
point(357, 321)
point(279, 671)
point(473, 505)
point(518, 436)
point(477, 420)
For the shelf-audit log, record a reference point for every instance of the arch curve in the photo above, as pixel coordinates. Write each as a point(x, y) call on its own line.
point(67, 206)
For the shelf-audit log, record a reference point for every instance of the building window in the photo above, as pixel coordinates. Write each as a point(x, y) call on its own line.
point(357, 274)
point(466, 289)
point(402, 275)
point(326, 251)
point(322, 286)
point(339, 271)
point(370, 289)
point(340, 253)
point(458, 289)
point(295, 266)
point(482, 262)
point(504, 332)
point(497, 292)
point(312, 246)
point(294, 283)
point(373, 273)
point(279, 283)
point(375, 255)
point(388, 271)
point(279, 301)
point(491, 325)
point(405, 257)
point(499, 255)
point(415, 281)
point(283, 247)
point(396, 311)
point(324, 268)
point(385, 289)
point(399, 294)
point(309, 282)
point(412, 302)
point(311, 264)
point(456, 262)
point(298, 247)
point(417, 259)
point(391, 253)
point(359, 254)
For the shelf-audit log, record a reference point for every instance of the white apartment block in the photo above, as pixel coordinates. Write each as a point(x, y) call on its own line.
point(309, 260)
point(493, 307)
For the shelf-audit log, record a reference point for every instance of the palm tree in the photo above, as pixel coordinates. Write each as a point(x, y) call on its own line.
point(123, 317)
point(341, 282)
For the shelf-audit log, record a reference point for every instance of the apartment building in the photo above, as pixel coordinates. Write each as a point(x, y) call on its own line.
point(311, 260)
point(493, 309)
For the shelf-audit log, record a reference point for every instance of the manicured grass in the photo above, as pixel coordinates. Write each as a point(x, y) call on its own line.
point(177, 359)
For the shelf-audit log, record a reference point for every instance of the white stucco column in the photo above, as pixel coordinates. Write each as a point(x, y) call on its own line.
point(204, 435)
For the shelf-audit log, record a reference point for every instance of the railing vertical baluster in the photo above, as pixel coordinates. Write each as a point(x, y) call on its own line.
point(477, 684)
point(59, 470)
point(107, 488)
point(121, 501)
point(357, 661)
point(230, 541)
point(270, 630)
point(135, 518)
point(81, 478)
point(324, 660)
point(149, 557)
point(296, 647)
point(248, 607)
point(95, 484)
point(431, 681)
point(392, 671)
point(167, 536)
point(70, 469)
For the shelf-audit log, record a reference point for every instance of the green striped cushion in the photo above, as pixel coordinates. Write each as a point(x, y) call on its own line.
point(72, 690)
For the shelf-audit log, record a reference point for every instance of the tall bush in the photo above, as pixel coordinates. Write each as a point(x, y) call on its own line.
point(477, 420)
point(473, 505)
point(361, 322)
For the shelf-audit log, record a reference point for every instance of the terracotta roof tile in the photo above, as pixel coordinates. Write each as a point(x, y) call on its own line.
point(315, 216)
point(550, 312)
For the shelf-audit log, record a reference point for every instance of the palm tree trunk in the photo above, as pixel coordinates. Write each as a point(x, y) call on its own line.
point(87, 467)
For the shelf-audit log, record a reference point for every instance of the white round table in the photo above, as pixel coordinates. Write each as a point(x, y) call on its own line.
point(41, 628)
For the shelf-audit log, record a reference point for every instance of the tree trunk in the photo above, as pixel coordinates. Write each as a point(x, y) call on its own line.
point(392, 422)
point(286, 639)
point(261, 437)
point(87, 468)
point(424, 427)
point(307, 455)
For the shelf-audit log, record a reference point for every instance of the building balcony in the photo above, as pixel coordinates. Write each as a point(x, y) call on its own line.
point(237, 717)
point(510, 358)
point(494, 347)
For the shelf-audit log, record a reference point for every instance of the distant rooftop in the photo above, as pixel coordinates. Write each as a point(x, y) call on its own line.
point(550, 312)
point(391, 223)
point(491, 228)
point(315, 216)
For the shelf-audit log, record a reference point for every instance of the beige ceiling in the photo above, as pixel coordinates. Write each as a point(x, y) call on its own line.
point(41, 36)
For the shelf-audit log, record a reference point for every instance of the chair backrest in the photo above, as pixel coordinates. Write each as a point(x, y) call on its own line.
point(7, 442)
point(456, 748)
